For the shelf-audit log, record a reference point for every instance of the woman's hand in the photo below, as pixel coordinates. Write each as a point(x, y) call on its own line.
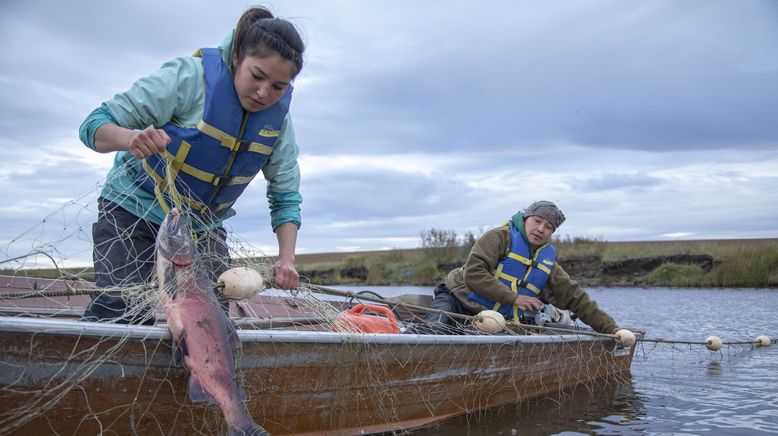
point(285, 275)
point(148, 141)
point(527, 302)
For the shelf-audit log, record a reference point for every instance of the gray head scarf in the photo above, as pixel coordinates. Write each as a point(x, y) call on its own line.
point(547, 210)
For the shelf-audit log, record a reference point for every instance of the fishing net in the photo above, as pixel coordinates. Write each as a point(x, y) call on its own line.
point(298, 376)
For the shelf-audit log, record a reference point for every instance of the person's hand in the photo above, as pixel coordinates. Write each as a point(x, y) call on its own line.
point(148, 141)
point(527, 302)
point(285, 275)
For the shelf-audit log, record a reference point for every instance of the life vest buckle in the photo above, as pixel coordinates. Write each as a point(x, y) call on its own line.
point(243, 145)
point(221, 181)
point(228, 142)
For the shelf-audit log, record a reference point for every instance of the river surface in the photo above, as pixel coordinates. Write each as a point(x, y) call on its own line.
point(674, 389)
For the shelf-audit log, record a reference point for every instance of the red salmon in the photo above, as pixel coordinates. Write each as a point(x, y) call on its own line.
point(199, 326)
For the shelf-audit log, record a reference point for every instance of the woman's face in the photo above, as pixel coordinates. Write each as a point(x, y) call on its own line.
point(538, 230)
point(260, 82)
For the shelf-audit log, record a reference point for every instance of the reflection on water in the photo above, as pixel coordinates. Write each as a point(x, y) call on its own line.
point(601, 406)
point(689, 389)
point(714, 368)
point(674, 389)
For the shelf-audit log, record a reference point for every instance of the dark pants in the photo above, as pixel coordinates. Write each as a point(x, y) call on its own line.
point(439, 323)
point(123, 254)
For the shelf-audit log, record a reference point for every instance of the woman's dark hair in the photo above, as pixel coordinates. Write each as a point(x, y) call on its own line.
point(260, 34)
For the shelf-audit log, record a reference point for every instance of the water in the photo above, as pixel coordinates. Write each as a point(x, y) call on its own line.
point(674, 389)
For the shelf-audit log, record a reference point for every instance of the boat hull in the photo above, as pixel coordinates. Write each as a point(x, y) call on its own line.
point(72, 377)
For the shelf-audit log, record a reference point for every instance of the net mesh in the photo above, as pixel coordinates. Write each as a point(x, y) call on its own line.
point(85, 382)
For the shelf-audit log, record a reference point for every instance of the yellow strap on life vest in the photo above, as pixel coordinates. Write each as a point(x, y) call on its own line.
point(177, 161)
point(230, 141)
point(512, 280)
point(501, 275)
point(160, 185)
point(533, 288)
point(540, 265)
point(202, 208)
point(206, 176)
point(520, 258)
point(516, 319)
point(176, 164)
point(161, 199)
point(528, 262)
point(530, 286)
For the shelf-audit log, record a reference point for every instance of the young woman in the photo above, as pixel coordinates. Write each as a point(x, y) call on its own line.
point(513, 269)
point(195, 133)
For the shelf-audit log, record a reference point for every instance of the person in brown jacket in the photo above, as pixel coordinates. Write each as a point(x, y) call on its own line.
point(512, 269)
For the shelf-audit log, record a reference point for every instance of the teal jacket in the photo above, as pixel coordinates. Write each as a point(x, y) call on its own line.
point(176, 94)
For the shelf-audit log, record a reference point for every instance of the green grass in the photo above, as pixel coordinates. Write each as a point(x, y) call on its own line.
point(748, 267)
point(680, 276)
point(737, 263)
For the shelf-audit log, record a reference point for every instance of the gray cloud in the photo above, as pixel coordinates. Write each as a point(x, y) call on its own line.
point(606, 182)
point(658, 77)
point(639, 119)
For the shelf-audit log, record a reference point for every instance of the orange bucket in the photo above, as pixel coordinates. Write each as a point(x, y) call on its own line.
point(354, 320)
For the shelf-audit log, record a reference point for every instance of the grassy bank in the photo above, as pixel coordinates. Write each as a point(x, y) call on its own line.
point(711, 263)
point(739, 263)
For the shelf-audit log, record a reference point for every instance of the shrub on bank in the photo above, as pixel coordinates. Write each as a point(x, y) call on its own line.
point(737, 263)
point(675, 275)
point(425, 274)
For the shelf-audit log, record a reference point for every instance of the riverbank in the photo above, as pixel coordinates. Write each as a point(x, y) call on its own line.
point(741, 263)
point(735, 263)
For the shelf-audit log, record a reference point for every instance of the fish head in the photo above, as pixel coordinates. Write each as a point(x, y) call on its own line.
point(174, 241)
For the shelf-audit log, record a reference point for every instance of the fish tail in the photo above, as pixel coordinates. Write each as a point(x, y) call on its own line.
point(198, 394)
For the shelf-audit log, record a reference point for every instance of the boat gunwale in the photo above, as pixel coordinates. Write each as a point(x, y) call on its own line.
point(125, 331)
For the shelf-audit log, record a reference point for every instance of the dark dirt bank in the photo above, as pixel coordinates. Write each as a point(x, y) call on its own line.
point(736, 263)
point(587, 270)
point(592, 271)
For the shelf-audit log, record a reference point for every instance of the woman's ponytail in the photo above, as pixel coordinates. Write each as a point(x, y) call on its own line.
point(258, 33)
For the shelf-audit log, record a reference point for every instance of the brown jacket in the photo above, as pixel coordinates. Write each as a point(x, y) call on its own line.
point(478, 275)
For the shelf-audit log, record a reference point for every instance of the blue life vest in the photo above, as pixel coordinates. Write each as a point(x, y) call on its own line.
point(522, 273)
point(211, 165)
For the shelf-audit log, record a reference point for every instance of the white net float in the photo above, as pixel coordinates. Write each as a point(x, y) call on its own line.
point(489, 321)
point(713, 343)
point(240, 282)
point(625, 338)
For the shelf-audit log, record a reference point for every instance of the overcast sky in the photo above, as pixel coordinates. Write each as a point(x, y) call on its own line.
point(642, 120)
